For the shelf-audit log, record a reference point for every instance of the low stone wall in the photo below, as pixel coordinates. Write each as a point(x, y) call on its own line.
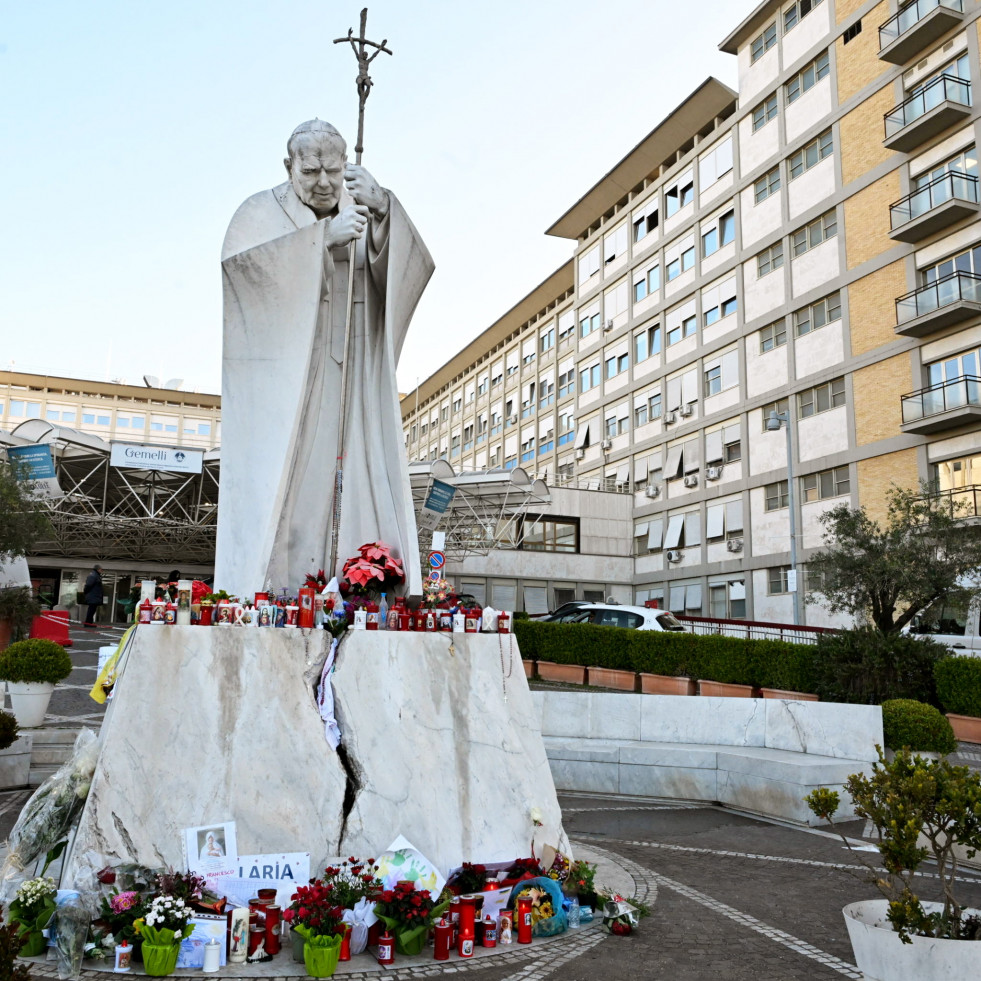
point(761, 756)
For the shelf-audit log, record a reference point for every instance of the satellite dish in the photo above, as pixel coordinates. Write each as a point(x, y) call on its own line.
point(151, 381)
point(174, 383)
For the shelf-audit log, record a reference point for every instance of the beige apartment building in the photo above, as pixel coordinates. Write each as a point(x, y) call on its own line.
point(809, 246)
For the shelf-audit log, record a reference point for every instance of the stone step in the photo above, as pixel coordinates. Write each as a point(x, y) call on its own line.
point(52, 747)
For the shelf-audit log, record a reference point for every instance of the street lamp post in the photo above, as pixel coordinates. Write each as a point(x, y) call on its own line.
point(772, 425)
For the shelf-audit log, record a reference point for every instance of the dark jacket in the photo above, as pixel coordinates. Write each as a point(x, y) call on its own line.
point(93, 587)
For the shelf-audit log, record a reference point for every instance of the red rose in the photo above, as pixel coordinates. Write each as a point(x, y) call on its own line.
point(106, 876)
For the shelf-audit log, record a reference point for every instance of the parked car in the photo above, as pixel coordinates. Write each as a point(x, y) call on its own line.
point(631, 617)
point(562, 612)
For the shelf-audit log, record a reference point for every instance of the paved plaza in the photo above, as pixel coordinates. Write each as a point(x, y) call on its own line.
point(731, 896)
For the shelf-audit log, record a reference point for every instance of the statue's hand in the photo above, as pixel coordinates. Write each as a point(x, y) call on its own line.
point(347, 226)
point(365, 189)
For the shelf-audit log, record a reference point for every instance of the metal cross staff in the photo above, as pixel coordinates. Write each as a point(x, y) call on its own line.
point(363, 82)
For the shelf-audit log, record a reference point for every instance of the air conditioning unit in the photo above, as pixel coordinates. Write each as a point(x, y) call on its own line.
point(580, 454)
point(606, 444)
point(734, 545)
point(608, 327)
point(653, 490)
point(713, 473)
point(673, 555)
point(669, 417)
point(686, 410)
point(691, 480)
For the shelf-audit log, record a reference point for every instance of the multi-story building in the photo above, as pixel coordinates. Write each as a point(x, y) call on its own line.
point(810, 247)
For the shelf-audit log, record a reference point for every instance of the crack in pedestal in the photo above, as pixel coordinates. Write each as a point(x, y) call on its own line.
point(352, 786)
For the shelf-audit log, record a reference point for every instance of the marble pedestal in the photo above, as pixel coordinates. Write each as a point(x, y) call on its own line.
point(215, 724)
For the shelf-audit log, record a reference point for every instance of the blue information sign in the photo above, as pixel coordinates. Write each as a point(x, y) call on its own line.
point(35, 461)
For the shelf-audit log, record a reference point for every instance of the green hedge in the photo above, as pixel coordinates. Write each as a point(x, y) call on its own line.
point(959, 685)
point(908, 723)
point(765, 663)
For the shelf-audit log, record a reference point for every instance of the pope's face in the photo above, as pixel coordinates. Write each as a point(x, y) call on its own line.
point(317, 173)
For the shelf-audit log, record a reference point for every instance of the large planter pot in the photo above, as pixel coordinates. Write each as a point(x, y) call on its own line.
point(159, 960)
point(791, 696)
point(725, 690)
point(529, 668)
point(613, 678)
point(29, 701)
point(570, 673)
point(663, 684)
point(882, 956)
point(321, 961)
point(967, 729)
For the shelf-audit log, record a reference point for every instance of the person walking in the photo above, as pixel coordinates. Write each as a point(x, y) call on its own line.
point(93, 595)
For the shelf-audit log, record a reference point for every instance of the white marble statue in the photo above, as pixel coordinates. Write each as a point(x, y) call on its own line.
point(285, 277)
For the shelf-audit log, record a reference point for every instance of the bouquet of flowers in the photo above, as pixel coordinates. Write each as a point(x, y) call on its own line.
point(316, 580)
point(121, 911)
point(437, 591)
point(314, 911)
point(374, 568)
point(352, 881)
point(165, 921)
point(30, 912)
point(547, 915)
point(619, 916)
point(470, 878)
point(408, 913)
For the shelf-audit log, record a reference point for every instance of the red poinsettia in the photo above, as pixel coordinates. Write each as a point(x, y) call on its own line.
point(316, 580)
point(374, 567)
point(315, 907)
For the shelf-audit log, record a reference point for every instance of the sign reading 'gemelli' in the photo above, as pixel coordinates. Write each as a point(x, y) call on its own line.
point(128, 455)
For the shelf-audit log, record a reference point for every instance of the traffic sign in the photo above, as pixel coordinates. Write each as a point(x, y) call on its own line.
point(437, 560)
point(434, 576)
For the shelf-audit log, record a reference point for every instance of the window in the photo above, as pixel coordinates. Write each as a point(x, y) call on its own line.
point(567, 428)
point(725, 306)
point(852, 31)
point(616, 426)
point(768, 184)
point(822, 312)
point(727, 600)
point(567, 325)
point(546, 391)
point(654, 407)
point(682, 263)
point(821, 398)
point(713, 380)
point(967, 261)
point(780, 407)
point(647, 342)
point(27, 410)
point(687, 328)
point(715, 164)
point(680, 195)
point(588, 324)
point(444, 413)
point(808, 77)
point(589, 378)
point(773, 335)
point(640, 289)
point(482, 384)
point(645, 222)
point(617, 365)
point(814, 233)
point(457, 405)
point(827, 483)
point(720, 373)
point(722, 233)
point(528, 402)
point(763, 43)
point(764, 112)
point(567, 382)
point(615, 243)
point(526, 358)
point(769, 259)
point(724, 520)
point(811, 154)
point(541, 534)
point(528, 449)
point(776, 580)
point(777, 495)
point(495, 420)
point(796, 12)
point(589, 264)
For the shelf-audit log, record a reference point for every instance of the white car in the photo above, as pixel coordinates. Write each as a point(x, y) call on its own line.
point(632, 617)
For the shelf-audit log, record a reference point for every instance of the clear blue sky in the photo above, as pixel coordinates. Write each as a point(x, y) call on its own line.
point(132, 130)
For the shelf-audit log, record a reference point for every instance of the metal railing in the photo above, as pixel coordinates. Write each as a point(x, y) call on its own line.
point(943, 88)
point(609, 485)
point(952, 394)
point(952, 288)
point(966, 500)
point(941, 189)
point(910, 15)
point(755, 629)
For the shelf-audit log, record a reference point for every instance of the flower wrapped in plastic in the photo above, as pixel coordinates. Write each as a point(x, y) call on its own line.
point(49, 815)
point(408, 913)
point(548, 918)
point(619, 916)
point(71, 929)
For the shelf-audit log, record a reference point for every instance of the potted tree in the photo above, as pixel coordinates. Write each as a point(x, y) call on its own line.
point(31, 669)
point(919, 808)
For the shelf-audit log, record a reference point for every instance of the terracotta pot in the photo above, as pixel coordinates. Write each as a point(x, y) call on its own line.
point(663, 684)
point(793, 696)
point(613, 678)
point(529, 668)
point(967, 729)
point(570, 673)
point(721, 688)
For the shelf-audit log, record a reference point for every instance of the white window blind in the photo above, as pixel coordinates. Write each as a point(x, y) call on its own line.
point(656, 533)
point(676, 525)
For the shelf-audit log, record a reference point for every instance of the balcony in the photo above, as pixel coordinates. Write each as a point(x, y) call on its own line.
point(966, 501)
point(946, 406)
point(917, 24)
point(933, 207)
point(950, 300)
point(930, 110)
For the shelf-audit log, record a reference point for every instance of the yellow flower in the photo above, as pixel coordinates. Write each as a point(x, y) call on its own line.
point(138, 924)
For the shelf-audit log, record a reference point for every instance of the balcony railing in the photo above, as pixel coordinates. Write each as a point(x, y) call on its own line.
point(915, 26)
point(928, 111)
point(966, 501)
point(935, 205)
point(946, 301)
point(958, 393)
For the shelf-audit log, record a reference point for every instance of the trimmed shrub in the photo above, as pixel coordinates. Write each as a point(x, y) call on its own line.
point(868, 667)
point(959, 685)
point(913, 724)
point(35, 660)
point(9, 730)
